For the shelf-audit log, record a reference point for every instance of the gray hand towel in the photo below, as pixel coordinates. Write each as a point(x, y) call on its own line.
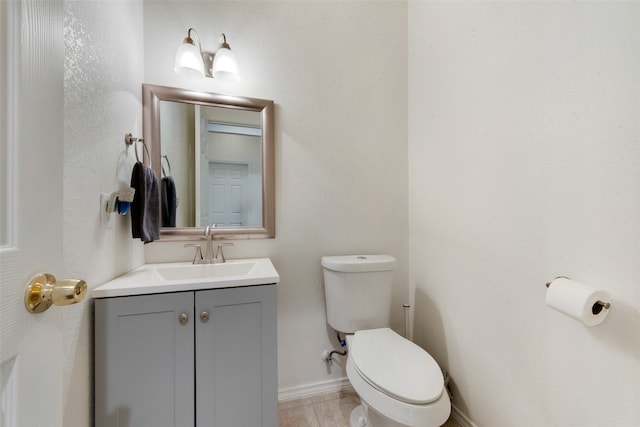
point(169, 201)
point(145, 208)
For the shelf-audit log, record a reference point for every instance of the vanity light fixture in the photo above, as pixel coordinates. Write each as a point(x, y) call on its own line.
point(192, 62)
point(225, 65)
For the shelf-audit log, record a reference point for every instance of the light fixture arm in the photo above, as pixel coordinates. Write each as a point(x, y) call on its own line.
point(188, 39)
point(224, 43)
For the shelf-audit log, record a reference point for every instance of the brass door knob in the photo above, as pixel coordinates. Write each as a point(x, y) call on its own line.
point(43, 291)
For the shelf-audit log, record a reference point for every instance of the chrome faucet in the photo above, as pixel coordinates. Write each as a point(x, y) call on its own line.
point(208, 234)
point(209, 256)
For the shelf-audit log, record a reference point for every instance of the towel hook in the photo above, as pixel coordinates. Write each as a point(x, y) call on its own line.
point(129, 139)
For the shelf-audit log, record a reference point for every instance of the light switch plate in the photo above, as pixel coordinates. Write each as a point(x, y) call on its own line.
point(106, 217)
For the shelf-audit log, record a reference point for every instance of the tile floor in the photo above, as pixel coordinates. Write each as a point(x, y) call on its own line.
point(323, 410)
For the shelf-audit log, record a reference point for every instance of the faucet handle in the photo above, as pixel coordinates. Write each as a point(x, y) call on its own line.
point(197, 257)
point(219, 257)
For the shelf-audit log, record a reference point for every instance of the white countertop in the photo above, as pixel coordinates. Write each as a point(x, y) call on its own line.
point(150, 279)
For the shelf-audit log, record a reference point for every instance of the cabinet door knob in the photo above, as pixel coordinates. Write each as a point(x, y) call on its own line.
point(204, 316)
point(184, 318)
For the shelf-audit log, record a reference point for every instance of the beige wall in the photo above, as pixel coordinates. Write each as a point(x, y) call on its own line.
point(524, 152)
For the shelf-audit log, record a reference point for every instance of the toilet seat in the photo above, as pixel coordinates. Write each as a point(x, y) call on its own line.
point(397, 378)
point(396, 366)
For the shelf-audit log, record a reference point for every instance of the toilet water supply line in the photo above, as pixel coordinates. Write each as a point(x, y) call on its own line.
point(328, 356)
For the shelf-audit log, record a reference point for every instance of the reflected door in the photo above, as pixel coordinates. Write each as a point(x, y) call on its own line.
point(228, 195)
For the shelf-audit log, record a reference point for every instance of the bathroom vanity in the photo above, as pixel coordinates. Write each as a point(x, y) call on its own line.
point(184, 345)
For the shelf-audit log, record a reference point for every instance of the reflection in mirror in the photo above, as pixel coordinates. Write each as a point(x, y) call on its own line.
point(214, 155)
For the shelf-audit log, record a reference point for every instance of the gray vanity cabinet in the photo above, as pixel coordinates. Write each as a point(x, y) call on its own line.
point(204, 358)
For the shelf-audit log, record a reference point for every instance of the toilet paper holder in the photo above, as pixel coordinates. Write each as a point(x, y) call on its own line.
point(598, 306)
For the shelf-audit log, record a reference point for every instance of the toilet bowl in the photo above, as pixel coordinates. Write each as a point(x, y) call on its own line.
point(399, 384)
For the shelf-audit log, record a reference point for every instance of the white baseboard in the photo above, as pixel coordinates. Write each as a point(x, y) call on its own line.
point(461, 418)
point(308, 390)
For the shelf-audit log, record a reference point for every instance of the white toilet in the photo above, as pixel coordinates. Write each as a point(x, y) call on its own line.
point(399, 384)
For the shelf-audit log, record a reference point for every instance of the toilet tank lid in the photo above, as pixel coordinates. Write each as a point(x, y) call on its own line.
point(396, 366)
point(359, 263)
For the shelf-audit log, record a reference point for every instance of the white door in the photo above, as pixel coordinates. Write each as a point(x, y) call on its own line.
point(31, 347)
point(228, 193)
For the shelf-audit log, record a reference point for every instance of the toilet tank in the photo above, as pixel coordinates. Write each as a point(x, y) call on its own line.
point(357, 291)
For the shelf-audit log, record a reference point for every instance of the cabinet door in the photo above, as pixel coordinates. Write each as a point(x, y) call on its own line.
point(144, 361)
point(236, 357)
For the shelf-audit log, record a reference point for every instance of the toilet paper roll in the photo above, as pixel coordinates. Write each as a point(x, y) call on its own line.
point(577, 300)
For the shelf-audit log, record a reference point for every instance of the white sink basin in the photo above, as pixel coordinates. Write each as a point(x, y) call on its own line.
point(205, 271)
point(184, 276)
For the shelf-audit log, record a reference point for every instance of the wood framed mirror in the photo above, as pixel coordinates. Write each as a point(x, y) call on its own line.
point(217, 153)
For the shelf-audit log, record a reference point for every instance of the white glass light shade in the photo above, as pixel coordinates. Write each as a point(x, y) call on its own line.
point(189, 61)
point(225, 65)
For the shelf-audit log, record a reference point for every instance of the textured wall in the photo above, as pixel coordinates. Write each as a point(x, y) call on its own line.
point(524, 152)
point(337, 73)
point(103, 73)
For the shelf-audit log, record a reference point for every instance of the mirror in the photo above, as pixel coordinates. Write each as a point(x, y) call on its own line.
point(214, 156)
